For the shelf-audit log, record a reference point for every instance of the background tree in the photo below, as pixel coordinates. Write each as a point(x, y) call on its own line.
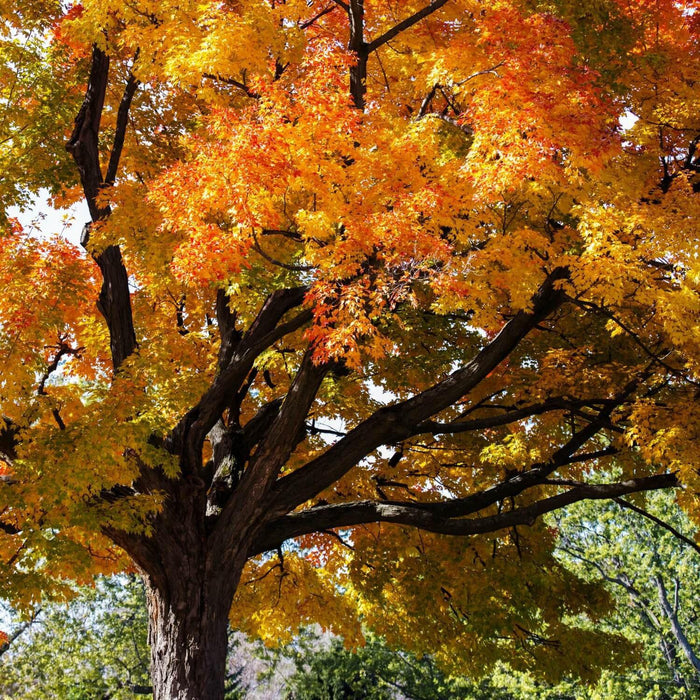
point(373, 671)
point(651, 573)
point(95, 647)
point(421, 223)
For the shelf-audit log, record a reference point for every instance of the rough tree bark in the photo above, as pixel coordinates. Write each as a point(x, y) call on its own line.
point(188, 641)
point(188, 629)
point(189, 591)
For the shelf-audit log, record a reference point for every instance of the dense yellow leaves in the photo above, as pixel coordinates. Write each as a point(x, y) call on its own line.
point(494, 597)
point(295, 593)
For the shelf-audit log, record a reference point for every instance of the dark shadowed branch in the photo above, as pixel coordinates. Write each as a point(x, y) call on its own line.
point(661, 523)
point(114, 301)
point(405, 24)
point(512, 415)
point(234, 83)
point(187, 438)
point(122, 121)
point(440, 518)
point(84, 141)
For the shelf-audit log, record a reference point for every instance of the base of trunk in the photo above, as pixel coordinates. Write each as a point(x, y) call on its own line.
point(188, 636)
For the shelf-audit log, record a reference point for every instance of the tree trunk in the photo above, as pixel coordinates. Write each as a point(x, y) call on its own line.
point(188, 636)
point(190, 585)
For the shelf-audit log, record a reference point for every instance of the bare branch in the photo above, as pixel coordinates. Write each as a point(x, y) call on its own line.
point(114, 301)
point(553, 404)
point(247, 504)
point(187, 438)
point(326, 10)
point(464, 128)
point(83, 143)
point(122, 121)
point(661, 523)
point(676, 627)
point(19, 631)
point(235, 83)
point(356, 44)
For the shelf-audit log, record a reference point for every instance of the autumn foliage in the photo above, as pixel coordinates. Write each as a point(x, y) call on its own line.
point(368, 275)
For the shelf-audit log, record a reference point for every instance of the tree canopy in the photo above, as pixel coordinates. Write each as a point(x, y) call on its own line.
point(368, 288)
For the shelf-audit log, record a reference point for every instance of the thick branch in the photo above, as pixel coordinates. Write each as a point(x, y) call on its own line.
point(535, 475)
point(259, 425)
point(405, 24)
point(553, 404)
point(226, 320)
point(122, 121)
point(188, 436)
point(276, 305)
point(289, 423)
point(114, 301)
point(83, 143)
point(229, 454)
point(411, 514)
point(231, 447)
point(248, 504)
point(397, 422)
point(356, 44)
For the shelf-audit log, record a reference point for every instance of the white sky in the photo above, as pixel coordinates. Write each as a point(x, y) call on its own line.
point(43, 220)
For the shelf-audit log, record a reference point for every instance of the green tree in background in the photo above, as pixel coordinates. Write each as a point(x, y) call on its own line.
point(94, 647)
point(377, 672)
point(653, 575)
point(374, 671)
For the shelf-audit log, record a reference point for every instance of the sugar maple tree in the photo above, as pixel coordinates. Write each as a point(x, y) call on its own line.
point(369, 276)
